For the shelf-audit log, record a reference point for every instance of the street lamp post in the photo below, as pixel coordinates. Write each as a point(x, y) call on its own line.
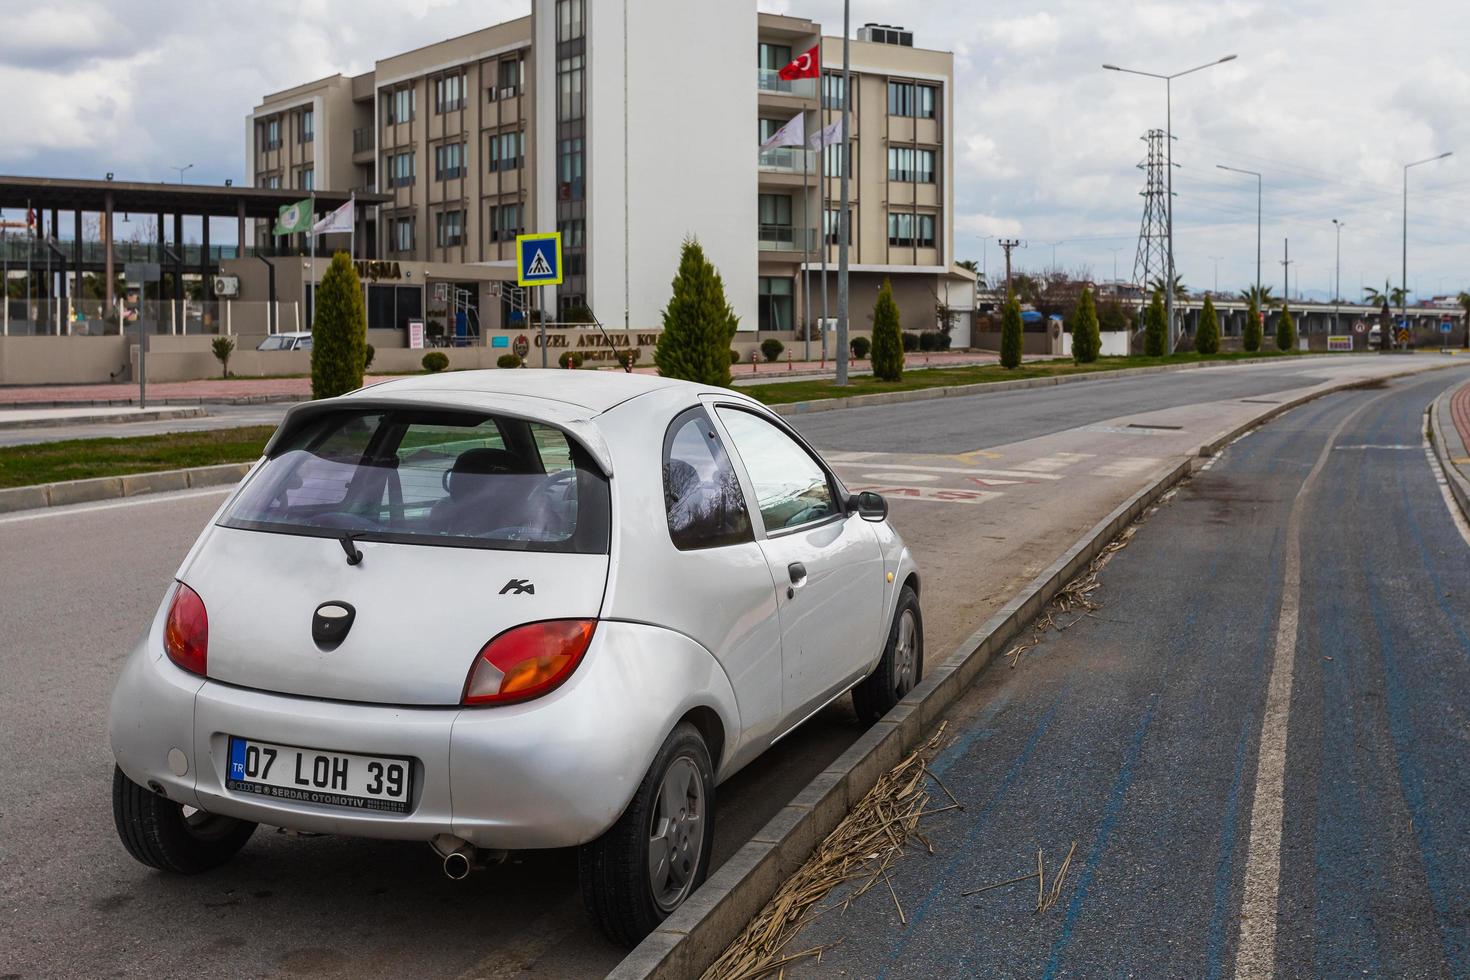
point(1404, 284)
point(1169, 167)
point(1216, 259)
point(187, 166)
point(1252, 173)
point(1337, 283)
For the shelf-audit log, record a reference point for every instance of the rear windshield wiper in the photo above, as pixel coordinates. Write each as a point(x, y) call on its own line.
point(354, 556)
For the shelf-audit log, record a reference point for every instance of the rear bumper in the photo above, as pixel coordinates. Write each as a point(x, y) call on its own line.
point(554, 772)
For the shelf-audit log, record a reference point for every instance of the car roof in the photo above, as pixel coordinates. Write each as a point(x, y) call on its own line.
point(593, 392)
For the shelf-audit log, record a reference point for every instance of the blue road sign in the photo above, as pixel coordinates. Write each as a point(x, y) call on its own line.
point(538, 259)
point(1446, 326)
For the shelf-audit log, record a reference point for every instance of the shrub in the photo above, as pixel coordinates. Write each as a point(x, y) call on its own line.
point(1250, 337)
point(569, 358)
point(698, 323)
point(1155, 328)
point(943, 340)
point(435, 361)
point(339, 331)
point(1010, 335)
point(367, 360)
point(1086, 340)
point(1285, 330)
point(860, 347)
point(929, 341)
point(734, 356)
point(223, 347)
point(771, 349)
point(910, 341)
point(1110, 316)
point(887, 336)
point(508, 361)
point(1207, 337)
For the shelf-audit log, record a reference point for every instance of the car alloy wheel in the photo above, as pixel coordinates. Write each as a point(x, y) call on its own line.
point(905, 655)
point(676, 834)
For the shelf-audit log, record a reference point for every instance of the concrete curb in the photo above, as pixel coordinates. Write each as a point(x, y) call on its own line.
point(113, 487)
point(1442, 439)
point(124, 402)
point(695, 935)
point(146, 415)
point(992, 387)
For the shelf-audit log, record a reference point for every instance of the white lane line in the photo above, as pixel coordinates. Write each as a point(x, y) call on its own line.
point(1444, 485)
point(1127, 466)
point(1055, 461)
point(151, 498)
point(967, 470)
point(1255, 955)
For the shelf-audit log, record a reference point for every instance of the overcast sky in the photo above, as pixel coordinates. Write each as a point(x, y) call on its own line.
point(1328, 99)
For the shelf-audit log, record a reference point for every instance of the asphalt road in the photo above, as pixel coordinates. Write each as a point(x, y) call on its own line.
point(1246, 798)
point(80, 585)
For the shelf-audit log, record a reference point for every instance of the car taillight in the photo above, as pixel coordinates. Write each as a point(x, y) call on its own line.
point(528, 661)
point(186, 630)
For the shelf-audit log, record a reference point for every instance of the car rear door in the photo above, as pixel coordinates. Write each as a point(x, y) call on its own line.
point(827, 566)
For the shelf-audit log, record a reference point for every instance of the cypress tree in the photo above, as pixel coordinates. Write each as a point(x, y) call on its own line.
point(1156, 328)
point(1285, 330)
point(698, 322)
point(887, 349)
point(1207, 337)
point(1010, 335)
point(1086, 340)
point(338, 331)
point(1250, 337)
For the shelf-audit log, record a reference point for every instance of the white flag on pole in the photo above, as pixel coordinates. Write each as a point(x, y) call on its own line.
point(827, 136)
point(791, 134)
point(340, 220)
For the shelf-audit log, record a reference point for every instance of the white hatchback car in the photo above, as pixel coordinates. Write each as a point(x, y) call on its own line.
point(505, 610)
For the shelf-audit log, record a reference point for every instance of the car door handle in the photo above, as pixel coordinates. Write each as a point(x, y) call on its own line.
point(797, 571)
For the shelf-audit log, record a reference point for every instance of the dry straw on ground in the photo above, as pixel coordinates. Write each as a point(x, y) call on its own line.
point(1075, 596)
point(861, 848)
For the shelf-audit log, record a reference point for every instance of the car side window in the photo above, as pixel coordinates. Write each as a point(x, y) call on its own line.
point(791, 488)
point(701, 492)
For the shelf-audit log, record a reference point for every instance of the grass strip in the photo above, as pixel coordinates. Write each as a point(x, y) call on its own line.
point(82, 459)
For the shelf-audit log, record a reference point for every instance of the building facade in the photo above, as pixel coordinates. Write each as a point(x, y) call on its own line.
point(622, 126)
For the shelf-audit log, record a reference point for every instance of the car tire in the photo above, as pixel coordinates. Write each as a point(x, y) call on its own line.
point(626, 889)
point(902, 665)
point(157, 832)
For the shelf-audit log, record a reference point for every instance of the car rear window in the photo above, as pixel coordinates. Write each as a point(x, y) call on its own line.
point(430, 477)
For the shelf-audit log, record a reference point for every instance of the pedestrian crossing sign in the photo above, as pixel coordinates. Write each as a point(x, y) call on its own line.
point(538, 259)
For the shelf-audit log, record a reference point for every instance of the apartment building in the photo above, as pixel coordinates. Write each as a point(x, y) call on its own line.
point(629, 127)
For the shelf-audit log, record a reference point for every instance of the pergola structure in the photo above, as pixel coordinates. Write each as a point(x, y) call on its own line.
point(107, 197)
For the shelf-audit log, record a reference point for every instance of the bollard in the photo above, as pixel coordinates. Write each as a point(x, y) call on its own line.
point(788, 360)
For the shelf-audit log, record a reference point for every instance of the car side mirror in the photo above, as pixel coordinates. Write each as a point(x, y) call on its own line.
point(870, 506)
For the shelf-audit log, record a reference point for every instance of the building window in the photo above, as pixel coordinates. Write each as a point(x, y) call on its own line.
point(830, 225)
point(573, 232)
point(910, 230)
point(448, 161)
point(576, 263)
point(306, 180)
point(774, 57)
point(271, 181)
point(505, 222)
point(449, 93)
point(569, 170)
point(834, 160)
point(909, 99)
point(449, 228)
point(775, 303)
point(926, 97)
point(273, 133)
point(910, 166)
point(400, 235)
point(509, 74)
point(505, 150)
point(775, 218)
point(568, 20)
point(833, 86)
point(569, 87)
point(401, 170)
point(306, 126)
point(398, 107)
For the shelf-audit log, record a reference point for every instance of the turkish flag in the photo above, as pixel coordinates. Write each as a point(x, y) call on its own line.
point(805, 65)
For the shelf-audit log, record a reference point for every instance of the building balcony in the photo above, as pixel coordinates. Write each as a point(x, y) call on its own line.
point(769, 80)
point(786, 238)
point(788, 160)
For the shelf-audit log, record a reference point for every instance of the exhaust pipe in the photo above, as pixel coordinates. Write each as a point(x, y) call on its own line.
point(457, 863)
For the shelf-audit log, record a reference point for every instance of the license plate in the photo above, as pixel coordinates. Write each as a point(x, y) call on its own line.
point(286, 772)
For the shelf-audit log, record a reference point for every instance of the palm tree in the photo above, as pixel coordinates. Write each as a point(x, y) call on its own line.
point(1180, 292)
point(1261, 295)
point(1393, 296)
point(970, 264)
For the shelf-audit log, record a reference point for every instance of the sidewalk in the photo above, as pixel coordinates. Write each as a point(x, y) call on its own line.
point(254, 391)
point(1459, 413)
